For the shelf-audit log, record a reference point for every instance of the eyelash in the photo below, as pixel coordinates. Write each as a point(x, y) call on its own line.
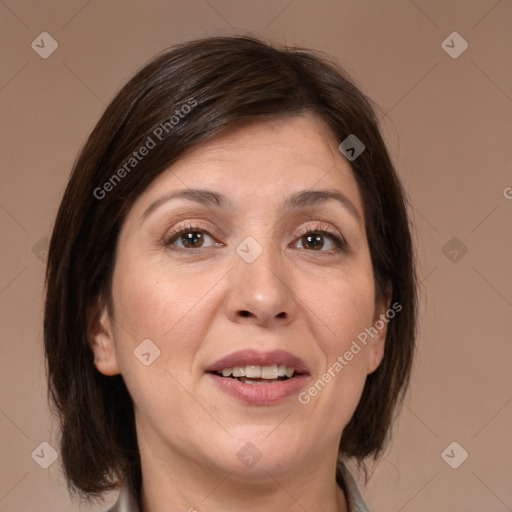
point(339, 241)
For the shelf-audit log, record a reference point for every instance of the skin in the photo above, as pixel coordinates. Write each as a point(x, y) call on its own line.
point(200, 304)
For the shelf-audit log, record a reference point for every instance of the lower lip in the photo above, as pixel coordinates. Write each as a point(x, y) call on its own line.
point(260, 394)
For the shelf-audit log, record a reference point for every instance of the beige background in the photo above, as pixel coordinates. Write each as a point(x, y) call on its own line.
point(447, 122)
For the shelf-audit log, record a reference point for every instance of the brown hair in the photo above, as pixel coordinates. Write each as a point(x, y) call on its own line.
point(230, 81)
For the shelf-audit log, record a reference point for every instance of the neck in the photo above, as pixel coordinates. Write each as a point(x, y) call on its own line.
point(175, 482)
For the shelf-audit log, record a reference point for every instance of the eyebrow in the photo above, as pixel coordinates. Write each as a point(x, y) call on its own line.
point(297, 200)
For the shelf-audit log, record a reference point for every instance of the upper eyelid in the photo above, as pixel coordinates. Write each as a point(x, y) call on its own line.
point(191, 225)
point(197, 224)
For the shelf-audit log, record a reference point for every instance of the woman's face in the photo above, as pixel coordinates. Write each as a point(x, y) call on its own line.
point(250, 268)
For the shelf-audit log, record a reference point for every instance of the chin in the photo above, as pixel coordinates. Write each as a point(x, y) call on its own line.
point(256, 454)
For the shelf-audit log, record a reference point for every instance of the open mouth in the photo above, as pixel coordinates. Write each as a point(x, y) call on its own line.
point(259, 378)
point(257, 374)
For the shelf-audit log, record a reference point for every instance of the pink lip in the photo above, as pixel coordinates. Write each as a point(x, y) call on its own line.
point(249, 356)
point(260, 394)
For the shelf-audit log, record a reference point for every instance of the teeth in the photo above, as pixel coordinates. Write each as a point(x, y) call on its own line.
point(269, 372)
point(255, 371)
point(239, 371)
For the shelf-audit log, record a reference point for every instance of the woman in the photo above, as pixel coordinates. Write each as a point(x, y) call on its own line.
point(231, 294)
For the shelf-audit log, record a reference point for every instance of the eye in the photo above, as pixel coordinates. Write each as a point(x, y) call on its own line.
point(315, 239)
point(190, 236)
point(318, 239)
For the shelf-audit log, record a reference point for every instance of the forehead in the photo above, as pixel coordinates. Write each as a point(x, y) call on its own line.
point(263, 161)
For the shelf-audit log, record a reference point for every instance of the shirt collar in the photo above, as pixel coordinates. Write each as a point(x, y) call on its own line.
point(354, 498)
point(126, 501)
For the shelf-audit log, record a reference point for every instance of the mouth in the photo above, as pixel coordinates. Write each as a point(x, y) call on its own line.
point(257, 374)
point(259, 378)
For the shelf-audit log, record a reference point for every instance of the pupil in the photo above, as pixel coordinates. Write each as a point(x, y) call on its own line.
point(315, 241)
point(194, 238)
point(191, 238)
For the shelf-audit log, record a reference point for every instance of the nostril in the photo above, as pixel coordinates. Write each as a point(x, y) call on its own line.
point(245, 313)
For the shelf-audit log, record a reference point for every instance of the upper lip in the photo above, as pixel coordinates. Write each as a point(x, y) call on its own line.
point(254, 357)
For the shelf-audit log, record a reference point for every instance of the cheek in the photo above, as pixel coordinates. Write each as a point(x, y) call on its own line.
point(345, 305)
point(170, 307)
point(343, 308)
point(152, 305)
point(149, 301)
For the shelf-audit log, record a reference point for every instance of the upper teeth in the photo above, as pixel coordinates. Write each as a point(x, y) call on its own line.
point(255, 371)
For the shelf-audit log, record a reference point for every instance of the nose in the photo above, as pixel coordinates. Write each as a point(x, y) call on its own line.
point(261, 292)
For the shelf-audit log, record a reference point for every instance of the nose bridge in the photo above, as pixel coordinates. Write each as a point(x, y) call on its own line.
point(260, 288)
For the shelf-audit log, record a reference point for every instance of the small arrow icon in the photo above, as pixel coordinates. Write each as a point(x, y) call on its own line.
point(44, 455)
point(44, 45)
point(454, 455)
point(351, 147)
point(146, 352)
point(454, 249)
point(454, 45)
point(249, 455)
point(40, 250)
point(247, 252)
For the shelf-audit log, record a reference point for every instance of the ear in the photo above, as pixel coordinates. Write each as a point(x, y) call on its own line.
point(101, 339)
point(379, 329)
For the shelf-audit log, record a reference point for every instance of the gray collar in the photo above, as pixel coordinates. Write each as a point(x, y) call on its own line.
point(126, 501)
point(354, 498)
